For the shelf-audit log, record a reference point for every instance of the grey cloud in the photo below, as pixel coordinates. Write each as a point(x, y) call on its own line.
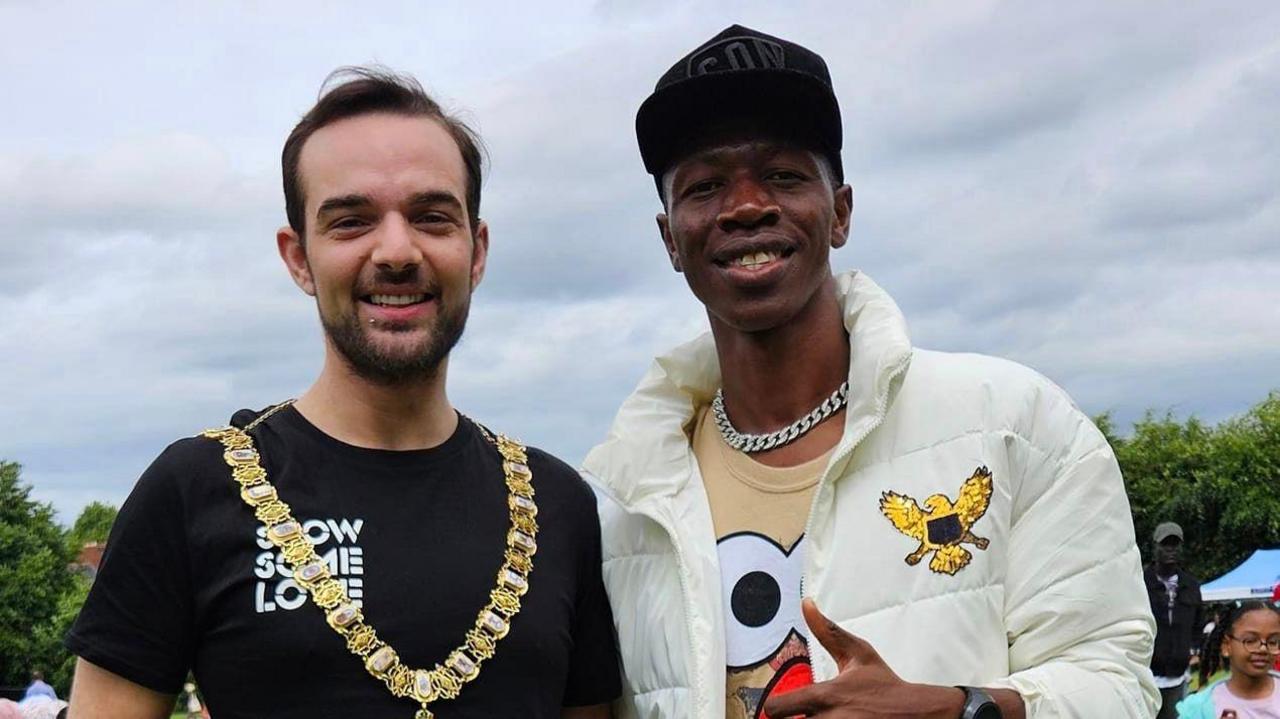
point(1089, 189)
point(167, 183)
point(568, 194)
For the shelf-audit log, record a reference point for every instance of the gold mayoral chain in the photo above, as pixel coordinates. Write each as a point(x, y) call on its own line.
point(444, 680)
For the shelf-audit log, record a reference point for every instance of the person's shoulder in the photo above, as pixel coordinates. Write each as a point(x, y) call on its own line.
point(1009, 396)
point(193, 457)
point(1193, 706)
point(1018, 393)
point(552, 473)
point(173, 480)
point(186, 456)
point(962, 369)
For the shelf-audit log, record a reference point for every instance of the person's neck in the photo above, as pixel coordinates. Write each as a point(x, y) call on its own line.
point(409, 415)
point(1247, 687)
point(774, 377)
point(1164, 571)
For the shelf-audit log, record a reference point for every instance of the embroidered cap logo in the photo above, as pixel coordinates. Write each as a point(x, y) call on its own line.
point(737, 53)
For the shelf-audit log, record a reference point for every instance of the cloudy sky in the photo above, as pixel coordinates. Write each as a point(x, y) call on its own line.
point(1090, 188)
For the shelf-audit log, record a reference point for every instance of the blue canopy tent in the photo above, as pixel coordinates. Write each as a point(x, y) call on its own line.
point(1255, 578)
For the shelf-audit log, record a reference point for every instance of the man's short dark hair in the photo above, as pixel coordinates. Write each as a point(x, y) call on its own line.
point(365, 90)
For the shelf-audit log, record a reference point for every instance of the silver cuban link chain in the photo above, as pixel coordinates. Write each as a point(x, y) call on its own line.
point(761, 442)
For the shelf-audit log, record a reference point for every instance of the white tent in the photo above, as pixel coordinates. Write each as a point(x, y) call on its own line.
point(1255, 578)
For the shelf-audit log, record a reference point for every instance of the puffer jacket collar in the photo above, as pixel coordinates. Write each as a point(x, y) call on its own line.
point(644, 462)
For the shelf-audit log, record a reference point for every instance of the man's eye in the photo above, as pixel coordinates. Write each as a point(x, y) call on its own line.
point(785, 176)
point(701, 188)
point(346, 223)
point(433, 219)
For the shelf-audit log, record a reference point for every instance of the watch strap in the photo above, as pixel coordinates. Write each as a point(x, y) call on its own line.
point(978, 704)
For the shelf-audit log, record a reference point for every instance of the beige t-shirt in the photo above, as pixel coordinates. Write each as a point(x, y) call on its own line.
point(759, 513)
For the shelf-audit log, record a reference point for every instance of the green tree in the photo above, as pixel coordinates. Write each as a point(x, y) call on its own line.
point(48, 650)
point(33, 576)
point(1220, 483)
point(93, 525)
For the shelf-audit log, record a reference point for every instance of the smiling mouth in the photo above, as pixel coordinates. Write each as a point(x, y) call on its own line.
point(396, 300)
point(754, 260)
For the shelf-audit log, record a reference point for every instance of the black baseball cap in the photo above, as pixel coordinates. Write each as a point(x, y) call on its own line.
point(775, 84)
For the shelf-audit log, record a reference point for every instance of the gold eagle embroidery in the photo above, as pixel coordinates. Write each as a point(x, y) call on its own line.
point(945, 526)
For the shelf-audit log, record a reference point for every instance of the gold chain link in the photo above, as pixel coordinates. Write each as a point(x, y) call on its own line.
point(444, 680)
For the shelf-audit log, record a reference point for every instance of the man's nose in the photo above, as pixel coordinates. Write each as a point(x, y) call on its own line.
point(396, 247)
point(747, 203)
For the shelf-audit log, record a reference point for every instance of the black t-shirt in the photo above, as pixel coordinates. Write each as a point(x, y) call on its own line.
point(188, 580)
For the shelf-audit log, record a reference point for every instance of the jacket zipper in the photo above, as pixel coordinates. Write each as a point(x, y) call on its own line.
point(688, 607)
point(683, 570)
point(882, 403)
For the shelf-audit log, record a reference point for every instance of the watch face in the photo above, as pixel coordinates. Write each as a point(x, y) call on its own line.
point(988, 710)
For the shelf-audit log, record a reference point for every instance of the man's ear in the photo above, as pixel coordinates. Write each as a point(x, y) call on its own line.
point(664, 228)
point(294, 254)
point(844, 216)
point(479, 253)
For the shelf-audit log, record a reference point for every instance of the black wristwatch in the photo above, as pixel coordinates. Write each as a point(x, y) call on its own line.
point(978, 704)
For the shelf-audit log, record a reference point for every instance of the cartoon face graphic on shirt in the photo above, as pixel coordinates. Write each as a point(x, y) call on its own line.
point(766, 640)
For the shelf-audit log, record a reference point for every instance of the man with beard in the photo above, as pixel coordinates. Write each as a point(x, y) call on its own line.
point(962, 526)
point(366, 550)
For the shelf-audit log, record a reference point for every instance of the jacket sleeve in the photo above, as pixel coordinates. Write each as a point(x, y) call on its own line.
point(1198, 625)
point(1079, 623)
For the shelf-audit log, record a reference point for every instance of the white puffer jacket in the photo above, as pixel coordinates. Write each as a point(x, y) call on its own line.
point(1054, 607)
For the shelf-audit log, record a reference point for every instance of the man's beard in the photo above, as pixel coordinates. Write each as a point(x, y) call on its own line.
point(383, 367)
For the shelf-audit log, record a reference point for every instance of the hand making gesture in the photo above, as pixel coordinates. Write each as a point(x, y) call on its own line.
point(866, 688)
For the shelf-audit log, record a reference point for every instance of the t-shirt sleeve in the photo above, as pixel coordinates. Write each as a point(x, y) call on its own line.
point(594, 675)
point(138, 620)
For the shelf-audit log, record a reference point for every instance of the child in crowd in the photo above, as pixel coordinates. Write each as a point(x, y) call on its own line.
point(1246, 641)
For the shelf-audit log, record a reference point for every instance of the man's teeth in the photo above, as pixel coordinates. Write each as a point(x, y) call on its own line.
point(757, 259)
point(396, 299)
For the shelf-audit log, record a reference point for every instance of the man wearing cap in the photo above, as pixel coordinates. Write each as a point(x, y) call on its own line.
point(1175, 602)
point(365, 551)
point(805, 515)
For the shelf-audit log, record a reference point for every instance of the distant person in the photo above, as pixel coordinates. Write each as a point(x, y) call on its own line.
point(1175, 602)
point(42, 707)
point(1213, 619)
point(1212, 623)
point(38, 687)
point(1246, 641)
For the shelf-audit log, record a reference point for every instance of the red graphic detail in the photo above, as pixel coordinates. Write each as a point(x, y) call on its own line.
point(793, 674)
point(790, 649)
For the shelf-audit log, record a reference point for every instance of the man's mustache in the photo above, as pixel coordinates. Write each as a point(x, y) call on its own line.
point(405, 278)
